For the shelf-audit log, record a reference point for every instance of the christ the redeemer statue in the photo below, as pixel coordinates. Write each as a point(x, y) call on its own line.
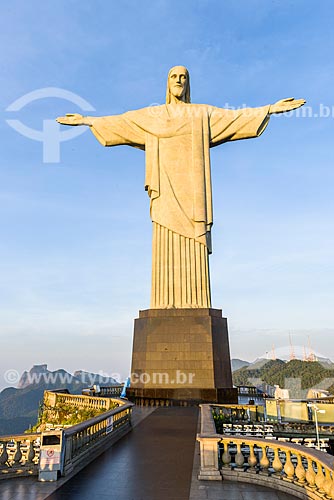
point(177, 138)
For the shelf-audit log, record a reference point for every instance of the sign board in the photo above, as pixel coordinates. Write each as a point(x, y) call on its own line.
point(110, 424)
point(49, 457)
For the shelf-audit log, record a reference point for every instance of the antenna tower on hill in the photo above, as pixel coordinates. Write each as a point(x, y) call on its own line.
point(311, 356)
point(292, 350)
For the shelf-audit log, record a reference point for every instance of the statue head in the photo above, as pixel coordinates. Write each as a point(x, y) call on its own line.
point(178, 85)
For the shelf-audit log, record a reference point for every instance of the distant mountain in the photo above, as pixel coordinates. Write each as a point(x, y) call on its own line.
point(19, 407)
point(39, 374)
point(236, 364)
point(326, 363)
point(259, 363)
point(298, 376)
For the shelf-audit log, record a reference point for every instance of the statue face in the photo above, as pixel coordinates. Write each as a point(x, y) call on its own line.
point(178, 81)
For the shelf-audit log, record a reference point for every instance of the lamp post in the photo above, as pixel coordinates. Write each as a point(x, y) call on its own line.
point(316, 410)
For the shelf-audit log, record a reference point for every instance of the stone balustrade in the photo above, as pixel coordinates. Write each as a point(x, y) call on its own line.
point(19, 455)
point(88, 439)
point(259, 430)
point(54, 399)
point(112, 390)
point(303, 472)
point(293, 432)
point(303, 428)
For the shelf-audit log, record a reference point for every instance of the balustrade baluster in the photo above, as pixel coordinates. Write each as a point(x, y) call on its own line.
point(277, 464)
point(327, 486)
point(76, 443)
point(320, 478)
point(288, 467)
point(88, 435)
point(84, 438)
point(73, 444)
point(239, 458)
point(31, 452)
point(264, 461)
point(310, 474)
point(18, 453)
point(331, 493)
point(226, 456)
point(3, 454)
point(299, 470)
point(252, 460)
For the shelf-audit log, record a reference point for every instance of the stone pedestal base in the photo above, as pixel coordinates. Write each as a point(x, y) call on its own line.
point(181, 356)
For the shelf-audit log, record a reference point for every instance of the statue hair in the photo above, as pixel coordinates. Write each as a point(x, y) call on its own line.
point(187, 93)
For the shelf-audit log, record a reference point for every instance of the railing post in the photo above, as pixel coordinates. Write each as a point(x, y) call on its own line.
point(209, 458)
point(67, 465)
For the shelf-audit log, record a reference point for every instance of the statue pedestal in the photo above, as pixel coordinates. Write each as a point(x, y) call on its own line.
point(181, 356)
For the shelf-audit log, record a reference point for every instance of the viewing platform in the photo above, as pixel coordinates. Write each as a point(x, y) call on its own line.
point(159, 458)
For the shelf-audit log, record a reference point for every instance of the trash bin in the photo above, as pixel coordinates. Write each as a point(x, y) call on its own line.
point(51, 456)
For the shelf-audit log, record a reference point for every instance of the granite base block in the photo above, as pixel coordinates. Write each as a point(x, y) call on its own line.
point(181, 355)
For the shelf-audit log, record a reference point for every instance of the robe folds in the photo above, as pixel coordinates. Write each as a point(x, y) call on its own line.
point(177, 140)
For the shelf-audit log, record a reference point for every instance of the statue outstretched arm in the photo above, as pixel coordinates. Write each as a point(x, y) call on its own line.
point(285, 105)
point(75, 119)
point(245, 123)
point(113, 130)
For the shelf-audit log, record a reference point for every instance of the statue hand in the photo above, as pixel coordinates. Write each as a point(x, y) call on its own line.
point(285, 105)
point(71, 119)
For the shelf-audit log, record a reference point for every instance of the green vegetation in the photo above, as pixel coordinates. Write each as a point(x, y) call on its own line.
point(220, 419)
point(65, 415)
point(274, 372)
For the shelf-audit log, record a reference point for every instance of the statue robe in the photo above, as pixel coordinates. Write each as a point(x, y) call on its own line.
point(177, 139)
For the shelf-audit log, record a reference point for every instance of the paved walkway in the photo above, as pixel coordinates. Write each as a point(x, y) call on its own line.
point(153, 462)
point(158, 460)
point(28, 488)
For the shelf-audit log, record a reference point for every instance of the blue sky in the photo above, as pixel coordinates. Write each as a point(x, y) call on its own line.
point(75, 243)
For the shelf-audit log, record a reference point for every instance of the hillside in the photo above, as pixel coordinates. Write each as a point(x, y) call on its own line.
point(236, 364)
point(275, 372)
point(19, 407)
